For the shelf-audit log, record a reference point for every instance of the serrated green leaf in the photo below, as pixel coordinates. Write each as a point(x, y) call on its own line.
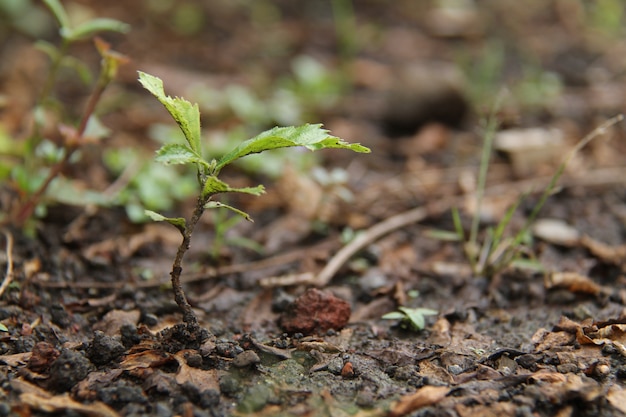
point(59, 13)
point(177, 222)
point(217, 204)
point(176, 153)
point(214, 185)
point(187, 115)
point(312, 137)
point(94, 26)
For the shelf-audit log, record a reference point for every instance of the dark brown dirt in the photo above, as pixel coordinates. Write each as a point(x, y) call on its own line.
point(92, 328)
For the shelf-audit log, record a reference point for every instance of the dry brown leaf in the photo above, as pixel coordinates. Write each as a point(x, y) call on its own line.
point(553, 339)
point(615, 332)
point(202, 379)
point(64, 403)
point(22, 386)
point(16, 359)
point(423, 397)
point(615, 255)
point(146, 359)
point(573, 282)
point(432, 370)
point(549, 377)
point(440, 332)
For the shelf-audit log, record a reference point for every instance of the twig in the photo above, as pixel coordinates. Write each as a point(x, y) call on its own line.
point(9, 274)
point(374, 233)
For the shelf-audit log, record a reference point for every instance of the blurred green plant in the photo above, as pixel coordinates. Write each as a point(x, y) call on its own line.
point(187, 116)
point(35, 164)
point(606, 16)
point(413, 319)
point(223, 223)
point(532, 88)
point(310, 90)
point(498, 251)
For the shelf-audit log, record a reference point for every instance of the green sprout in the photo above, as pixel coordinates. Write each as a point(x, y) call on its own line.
point(187, 116)
point(411, 318)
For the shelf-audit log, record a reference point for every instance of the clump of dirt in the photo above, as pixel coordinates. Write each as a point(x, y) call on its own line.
point(315, 312)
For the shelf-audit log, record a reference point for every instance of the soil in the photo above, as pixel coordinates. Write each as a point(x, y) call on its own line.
point(91, 323)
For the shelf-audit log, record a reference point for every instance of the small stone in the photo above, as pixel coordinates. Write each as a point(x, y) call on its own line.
point(229, 385)
point(207, 348)
point(246, 358)
point(193, 359)
point(104, 349)
point(315, 311)
point(67, 370)
point(335, 365)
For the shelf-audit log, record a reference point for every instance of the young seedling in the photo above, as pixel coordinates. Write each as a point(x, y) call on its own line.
point(498, 251)
point(40, 162)
point(411, 318)
point(73, 138)
point(187, 116)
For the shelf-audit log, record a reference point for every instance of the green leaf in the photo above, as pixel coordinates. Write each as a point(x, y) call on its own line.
point(187, 115)
point(92, 27)
point(416, 315)
point(177, 222)
point(443, 235)
point(217, 204)
point(394, 315)
point(312, 137)
point(214, 185)
point(59, 13)
point(176, 153)
point(3, 328)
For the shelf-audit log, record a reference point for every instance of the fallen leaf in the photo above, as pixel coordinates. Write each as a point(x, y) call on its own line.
point(573, 282)
point(615, 255)
point(202, 379)
point(64, 403)
point(16, 359)
point(423, 397)
point(146, 359)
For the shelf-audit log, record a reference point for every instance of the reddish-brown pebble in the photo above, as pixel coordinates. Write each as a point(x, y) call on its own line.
point(315, 311)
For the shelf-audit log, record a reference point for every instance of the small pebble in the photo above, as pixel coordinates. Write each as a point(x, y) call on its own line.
point(246, 358)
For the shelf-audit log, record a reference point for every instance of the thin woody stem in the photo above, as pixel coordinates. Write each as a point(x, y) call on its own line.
point(28, 207)
point(189, 316)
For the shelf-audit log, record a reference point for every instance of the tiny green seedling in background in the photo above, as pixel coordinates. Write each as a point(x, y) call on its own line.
point(411, 318)
point(187, 116)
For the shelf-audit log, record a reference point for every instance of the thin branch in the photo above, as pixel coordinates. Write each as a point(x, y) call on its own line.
point(9, 273)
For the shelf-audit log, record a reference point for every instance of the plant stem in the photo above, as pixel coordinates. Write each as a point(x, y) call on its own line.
point(189, 317)
point(26, 210)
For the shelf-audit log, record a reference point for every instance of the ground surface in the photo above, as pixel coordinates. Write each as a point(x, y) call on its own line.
point(91, 322)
